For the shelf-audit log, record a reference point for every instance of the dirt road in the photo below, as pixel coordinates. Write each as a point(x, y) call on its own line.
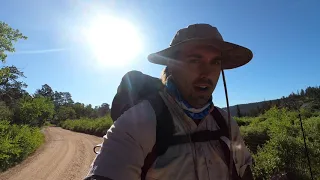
point(65, 155)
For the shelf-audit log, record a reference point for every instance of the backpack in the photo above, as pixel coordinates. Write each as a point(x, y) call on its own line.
point(136, 87)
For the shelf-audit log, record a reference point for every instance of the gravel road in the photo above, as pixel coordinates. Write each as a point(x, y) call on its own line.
point(65, 155)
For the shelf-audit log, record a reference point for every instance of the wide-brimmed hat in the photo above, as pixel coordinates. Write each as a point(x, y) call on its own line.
point(233, 55)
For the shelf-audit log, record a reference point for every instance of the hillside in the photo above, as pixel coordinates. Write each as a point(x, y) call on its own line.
point(247, 108)
point(307, 99)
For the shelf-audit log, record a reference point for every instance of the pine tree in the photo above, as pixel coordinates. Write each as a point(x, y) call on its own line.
point(302, 92)
point(238, 111)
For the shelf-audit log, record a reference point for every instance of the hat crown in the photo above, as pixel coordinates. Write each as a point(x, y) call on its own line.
point(196, 31)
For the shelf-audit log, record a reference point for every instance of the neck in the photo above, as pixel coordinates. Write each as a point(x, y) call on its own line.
point(195, 104)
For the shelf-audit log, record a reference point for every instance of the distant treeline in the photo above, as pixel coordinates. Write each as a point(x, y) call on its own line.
point(308, 98)
point(20, 107)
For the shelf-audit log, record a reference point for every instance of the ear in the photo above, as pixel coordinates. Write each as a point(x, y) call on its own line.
point(169, 70)
point(170, 66)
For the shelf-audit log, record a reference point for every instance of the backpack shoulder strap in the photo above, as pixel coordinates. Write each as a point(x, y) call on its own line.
point(165, 130)
point(222, 123)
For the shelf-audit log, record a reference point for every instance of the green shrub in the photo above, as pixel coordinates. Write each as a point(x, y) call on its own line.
point(34, 111)
point(281, 147)
point(17, 142)
point(5, 112)
point(312, 133)
point(97, 126)
point(282, 155)
point(306, 113)
point(243, 121)
point(316, 113)
point(65, 112)
point(254, 136)
point(48, 123)
point(266, 162)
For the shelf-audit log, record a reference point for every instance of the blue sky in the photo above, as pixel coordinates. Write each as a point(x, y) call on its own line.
point(283, 35)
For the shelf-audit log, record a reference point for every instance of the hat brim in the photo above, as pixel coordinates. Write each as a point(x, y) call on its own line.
point(233, 55)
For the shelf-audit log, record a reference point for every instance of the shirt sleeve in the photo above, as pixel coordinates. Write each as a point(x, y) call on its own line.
point(126, 144)
point(241, 154)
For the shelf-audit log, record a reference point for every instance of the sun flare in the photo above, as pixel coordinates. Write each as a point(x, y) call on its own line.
point(113, 41)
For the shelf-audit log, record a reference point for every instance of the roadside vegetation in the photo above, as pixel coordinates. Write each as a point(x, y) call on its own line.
point(276, 140)
point(96, 127)
point(17, 143)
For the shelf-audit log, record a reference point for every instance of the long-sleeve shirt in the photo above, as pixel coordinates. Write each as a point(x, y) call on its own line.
point(133, 135)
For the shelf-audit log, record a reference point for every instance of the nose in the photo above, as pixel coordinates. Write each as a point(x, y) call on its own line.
point(204, 70)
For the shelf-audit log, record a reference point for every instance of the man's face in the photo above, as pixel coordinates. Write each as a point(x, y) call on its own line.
point(198, 73)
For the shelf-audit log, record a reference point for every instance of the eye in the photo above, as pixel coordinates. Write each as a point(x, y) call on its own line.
point(193, 60)
point(216, 62)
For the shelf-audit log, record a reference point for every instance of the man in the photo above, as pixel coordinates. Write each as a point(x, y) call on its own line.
point(193, 63)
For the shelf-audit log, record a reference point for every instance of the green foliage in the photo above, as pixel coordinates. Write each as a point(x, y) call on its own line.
point(283, 154)
point(62, 98)
point(103, 110)
point(34, 111)
point(11, 89)
point(306, 113)
point(90, 112)
point(45, 91)
point(266, 163)
point(5, 112)
point(276, 141)
point(97, 126)
point(243, 121)
point(17, 142)
point(48, 123)
point(313, 93)
point(8, 36)
point(79, 108)
point(66, 108)
point(255, 136)
point(65, 112)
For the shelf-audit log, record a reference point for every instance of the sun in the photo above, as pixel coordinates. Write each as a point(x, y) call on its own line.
point(112, 41)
